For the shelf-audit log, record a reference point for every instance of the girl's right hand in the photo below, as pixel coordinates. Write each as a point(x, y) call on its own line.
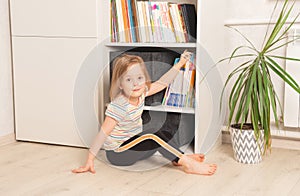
point(89, 166)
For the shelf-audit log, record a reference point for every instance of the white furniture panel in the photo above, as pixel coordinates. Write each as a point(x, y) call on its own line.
point(44, 76)
point(75, 18)
point(291, 97)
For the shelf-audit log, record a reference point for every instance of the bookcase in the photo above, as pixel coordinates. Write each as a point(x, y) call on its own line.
point(196, 121)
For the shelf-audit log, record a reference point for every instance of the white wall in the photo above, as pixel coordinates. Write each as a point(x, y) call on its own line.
point(6, 99)
point(240, 11)
point(247, 17)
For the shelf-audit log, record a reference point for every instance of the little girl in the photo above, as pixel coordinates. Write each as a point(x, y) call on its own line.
point(121, 132)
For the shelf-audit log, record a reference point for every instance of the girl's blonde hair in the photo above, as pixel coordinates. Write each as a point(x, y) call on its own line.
point(120, 66)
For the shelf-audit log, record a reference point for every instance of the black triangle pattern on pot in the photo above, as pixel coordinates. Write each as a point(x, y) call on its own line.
point(246, 149)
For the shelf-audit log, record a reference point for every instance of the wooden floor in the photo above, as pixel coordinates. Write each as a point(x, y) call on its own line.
point(39, 169)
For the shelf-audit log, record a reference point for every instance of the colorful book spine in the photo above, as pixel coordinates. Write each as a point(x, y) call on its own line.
point(131, 22)
point(141, 28)
point(135, 19)
point(119, 14)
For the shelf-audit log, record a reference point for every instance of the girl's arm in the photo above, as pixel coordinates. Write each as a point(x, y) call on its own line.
point(168, 77)
point(106, 128)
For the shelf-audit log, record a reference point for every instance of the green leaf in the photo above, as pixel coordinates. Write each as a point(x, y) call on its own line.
point(279, 24)
point(284, 58)
point(252, 45)
point(260, 94)
point(269, 24)
point(272, 93)
point(285, 44)
point(248, 93)
point(283, 74)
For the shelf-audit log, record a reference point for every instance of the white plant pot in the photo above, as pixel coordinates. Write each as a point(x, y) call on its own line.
point(245, 147)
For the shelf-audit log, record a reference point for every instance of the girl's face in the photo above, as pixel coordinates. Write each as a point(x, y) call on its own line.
point(133, 81)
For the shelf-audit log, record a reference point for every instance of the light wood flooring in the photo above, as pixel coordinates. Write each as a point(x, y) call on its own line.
point(39, 169)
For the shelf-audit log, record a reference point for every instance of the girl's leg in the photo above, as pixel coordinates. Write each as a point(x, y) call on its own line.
point(190, 165)
point(160, 141)
point(127, 157)
point(137, 148)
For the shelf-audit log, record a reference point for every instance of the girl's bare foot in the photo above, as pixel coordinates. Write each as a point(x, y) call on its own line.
point(192, 166)
point(196, 157)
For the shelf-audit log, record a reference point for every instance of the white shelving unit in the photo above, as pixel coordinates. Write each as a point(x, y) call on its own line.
point(203, 111)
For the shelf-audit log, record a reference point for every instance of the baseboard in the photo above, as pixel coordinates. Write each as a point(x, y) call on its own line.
point(277, 141)
point(286, 143)
point(7, 139)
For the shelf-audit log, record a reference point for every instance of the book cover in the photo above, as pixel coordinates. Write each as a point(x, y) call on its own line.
point(182, 22)
point(168, 32)
point(145, 17)
point(177, 21)
point(120, 22)
point(190, 20)
point(141, 25)
point(174, 21)
point(185, 83)
point(174, 96)
point(126, 20)
point(135, 20)
point(131, 21)
point(149, 20)
point(114, 25)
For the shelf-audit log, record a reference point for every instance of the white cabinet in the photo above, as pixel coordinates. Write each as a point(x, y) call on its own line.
point(45, 71)
point(50, 41)
point(75, 18)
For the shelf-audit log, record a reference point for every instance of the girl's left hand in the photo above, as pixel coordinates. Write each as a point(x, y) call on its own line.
point(89, 167)
point(184, 57)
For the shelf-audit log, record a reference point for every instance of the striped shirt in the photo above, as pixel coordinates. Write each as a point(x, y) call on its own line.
point(129, 120)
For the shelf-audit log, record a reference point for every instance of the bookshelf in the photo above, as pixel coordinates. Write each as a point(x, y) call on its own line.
point(201, 116)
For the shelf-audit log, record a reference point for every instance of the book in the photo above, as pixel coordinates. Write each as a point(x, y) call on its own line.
point(180, 93)
point(114, 24)
point(190, 20)
point(174, 96)
point(149, 20)
point(141, 24)
point(177, 22)
point(131, 21)
point(167, 26)
point(135, 20)
point(120, 22)
point(126, 20)
point(182, 23)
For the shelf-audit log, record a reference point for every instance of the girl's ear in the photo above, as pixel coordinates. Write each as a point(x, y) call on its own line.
point(120, 86)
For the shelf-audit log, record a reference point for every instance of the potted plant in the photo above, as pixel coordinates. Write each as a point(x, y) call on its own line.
point(252, 98)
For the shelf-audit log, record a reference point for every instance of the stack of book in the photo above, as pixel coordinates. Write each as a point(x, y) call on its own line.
point(147, 21)
point(180, 93)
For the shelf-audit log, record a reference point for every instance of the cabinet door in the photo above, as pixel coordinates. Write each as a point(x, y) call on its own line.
point(76, 18)
point(45, 72)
